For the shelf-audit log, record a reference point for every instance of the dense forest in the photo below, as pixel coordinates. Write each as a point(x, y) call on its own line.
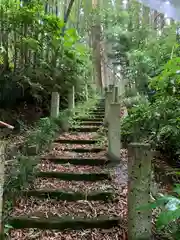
point(60, 62)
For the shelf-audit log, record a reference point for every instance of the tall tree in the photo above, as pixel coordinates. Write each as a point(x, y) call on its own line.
point(96, 42)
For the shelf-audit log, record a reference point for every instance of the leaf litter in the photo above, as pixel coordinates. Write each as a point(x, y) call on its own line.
point(58, 152)
point(83, 208)
point(78, 136)
point(90, 234)
point(84, 186)
point(56, 208)
point(46, 165)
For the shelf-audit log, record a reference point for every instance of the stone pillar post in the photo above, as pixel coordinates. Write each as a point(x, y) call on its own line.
point(114, 139)
point(139, 182)
point(108, 101)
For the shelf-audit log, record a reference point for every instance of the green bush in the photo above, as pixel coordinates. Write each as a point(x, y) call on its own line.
point(167, 220)
point(36, 57)
point(43, 134)
point(159, 121)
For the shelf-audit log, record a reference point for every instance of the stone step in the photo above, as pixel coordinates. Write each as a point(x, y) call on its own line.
point(96, 114)
point(70, 196)
point(84, 129)
point(78, 161)
point(87, 119)
point(77, 141)
point(98, 110)
point(84, 150)
point(60, 223)
point(101, 107)
point(101, 104)
point(91, 177)
point(92, 123)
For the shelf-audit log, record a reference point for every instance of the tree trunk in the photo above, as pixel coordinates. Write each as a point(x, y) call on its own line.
point(96, 44)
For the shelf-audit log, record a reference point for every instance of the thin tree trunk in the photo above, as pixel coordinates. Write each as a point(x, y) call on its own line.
point(96, 44)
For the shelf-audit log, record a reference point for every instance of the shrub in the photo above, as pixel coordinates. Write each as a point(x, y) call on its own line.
point(158, 121)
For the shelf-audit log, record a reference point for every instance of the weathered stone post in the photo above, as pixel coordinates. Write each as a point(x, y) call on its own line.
point(108, 101)
point(139, 182)
point(55, 101)
point(2, 169)
point(114, 141)
point(71, 98)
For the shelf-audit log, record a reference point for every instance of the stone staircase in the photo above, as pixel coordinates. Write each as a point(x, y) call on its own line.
point(74, 193)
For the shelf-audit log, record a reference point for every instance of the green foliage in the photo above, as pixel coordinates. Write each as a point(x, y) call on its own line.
point(142, 51)
point(159, 121)
point(168, 82)
point(168, 219)
point(43, 133)
point(21, 173)
point(35, 53)
point(136, 45)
